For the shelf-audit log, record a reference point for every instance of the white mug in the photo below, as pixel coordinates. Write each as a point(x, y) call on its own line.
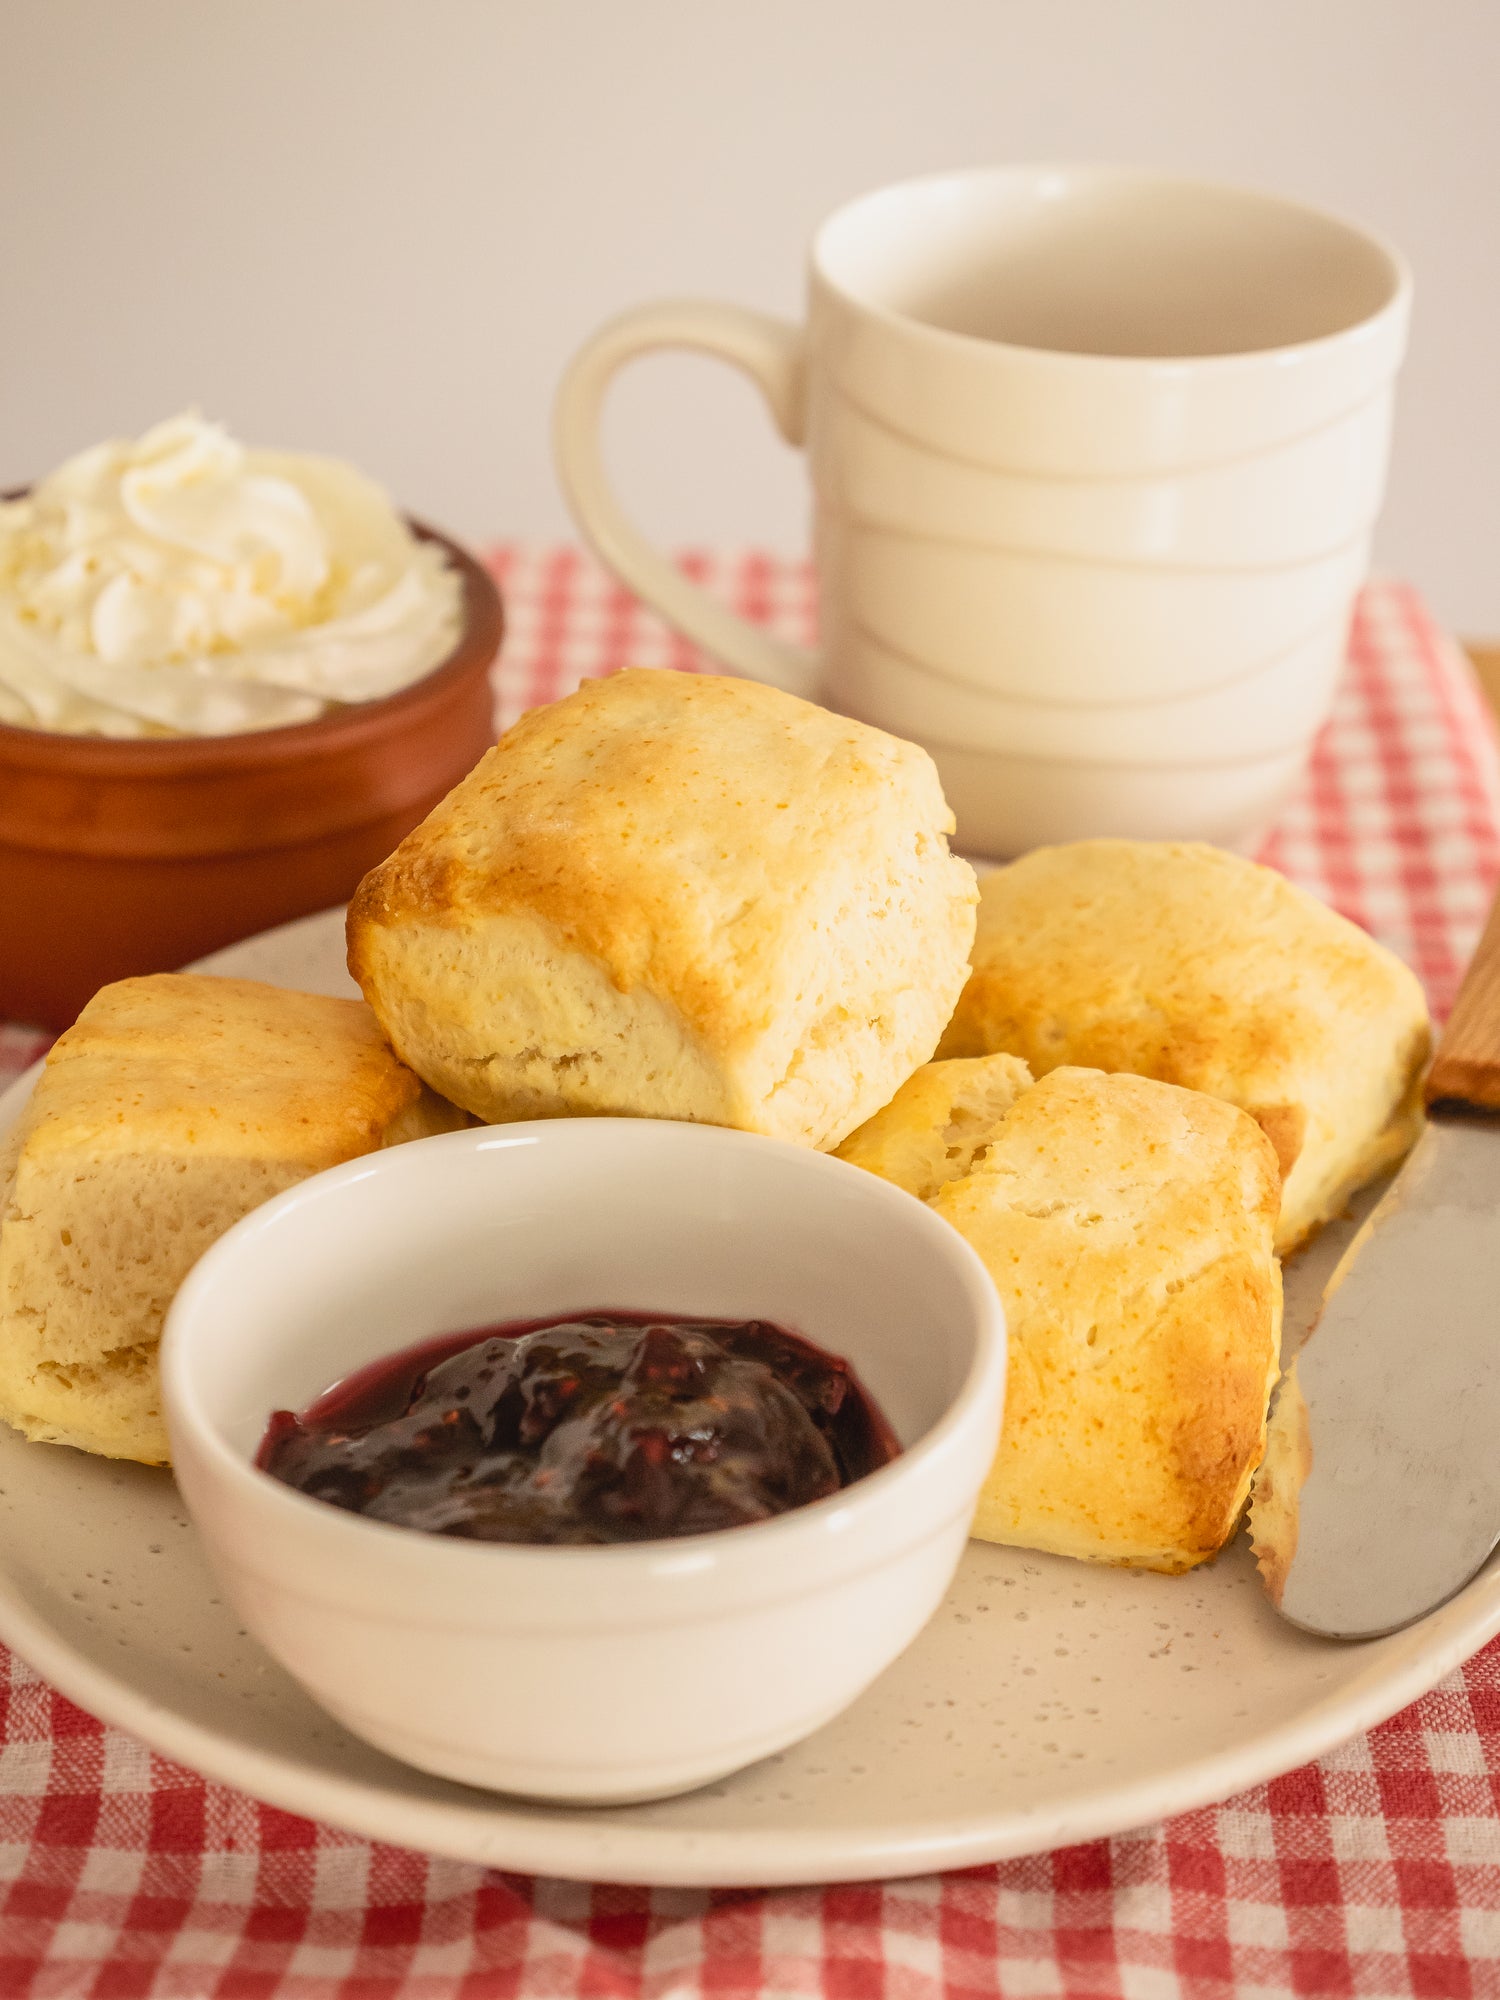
point(1095, 454)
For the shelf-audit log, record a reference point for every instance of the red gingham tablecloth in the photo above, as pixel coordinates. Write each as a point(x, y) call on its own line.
point(1374, 1872)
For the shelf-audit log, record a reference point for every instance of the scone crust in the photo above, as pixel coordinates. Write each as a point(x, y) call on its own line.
point(683, 896)
point(174, 1105)
point(230, 1066)
point(1275, 1501)
point(1196, 967)
point(1127, 1225)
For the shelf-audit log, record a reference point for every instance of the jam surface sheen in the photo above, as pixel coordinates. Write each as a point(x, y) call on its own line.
point(600, 1427)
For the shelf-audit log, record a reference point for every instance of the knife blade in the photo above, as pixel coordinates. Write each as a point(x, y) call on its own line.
point(1379, 1494)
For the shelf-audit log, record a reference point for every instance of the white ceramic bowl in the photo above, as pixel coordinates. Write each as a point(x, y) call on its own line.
point(1005, 805)
point(1271, 710)
point(585, 1674)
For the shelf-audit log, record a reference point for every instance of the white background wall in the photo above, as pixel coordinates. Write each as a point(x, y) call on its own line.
point(378, 227)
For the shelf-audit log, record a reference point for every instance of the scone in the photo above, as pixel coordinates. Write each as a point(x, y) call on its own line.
point(674, 896)
point(1128, 1227)
point(1194, 966)
point(172, 1107)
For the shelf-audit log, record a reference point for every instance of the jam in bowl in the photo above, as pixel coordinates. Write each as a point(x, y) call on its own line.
point(609, 1670)
point(595, 1428)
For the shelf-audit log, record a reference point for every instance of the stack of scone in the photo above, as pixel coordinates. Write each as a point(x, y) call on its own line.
point(1222, 1062)
point(1187, 964)
point(696, 898)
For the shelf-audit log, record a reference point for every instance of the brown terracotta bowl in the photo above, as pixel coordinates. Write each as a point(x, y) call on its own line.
point(124, 857)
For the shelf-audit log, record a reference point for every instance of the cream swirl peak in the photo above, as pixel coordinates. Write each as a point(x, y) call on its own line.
point(180, 584)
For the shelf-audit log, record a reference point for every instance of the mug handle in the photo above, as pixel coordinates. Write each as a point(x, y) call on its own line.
point(771, 352)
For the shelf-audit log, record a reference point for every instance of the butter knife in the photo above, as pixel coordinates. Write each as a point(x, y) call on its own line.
point(1379, 1494)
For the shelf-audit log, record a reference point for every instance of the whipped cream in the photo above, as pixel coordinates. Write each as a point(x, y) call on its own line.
point(182, 585)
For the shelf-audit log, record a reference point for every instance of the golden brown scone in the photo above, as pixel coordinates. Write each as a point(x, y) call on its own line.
point(1189, 964)
point(942, 1115)
point(1127, 1225)
point(173, 1106)
point(674, 896)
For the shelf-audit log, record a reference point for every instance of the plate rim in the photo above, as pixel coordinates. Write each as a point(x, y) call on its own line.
point(571, 1843)
point(529, 1837)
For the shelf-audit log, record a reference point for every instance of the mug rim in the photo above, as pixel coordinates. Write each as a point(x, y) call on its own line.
point(1395, 303)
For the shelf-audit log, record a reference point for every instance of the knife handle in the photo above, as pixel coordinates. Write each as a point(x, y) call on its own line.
point(1466, 1069)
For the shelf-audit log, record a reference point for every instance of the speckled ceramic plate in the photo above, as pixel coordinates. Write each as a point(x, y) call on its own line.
point(1047, 1702)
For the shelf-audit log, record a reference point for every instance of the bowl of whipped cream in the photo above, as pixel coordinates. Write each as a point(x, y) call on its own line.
point(231, 680)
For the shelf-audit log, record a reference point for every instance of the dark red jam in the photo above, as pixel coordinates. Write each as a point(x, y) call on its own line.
point(608, 1427)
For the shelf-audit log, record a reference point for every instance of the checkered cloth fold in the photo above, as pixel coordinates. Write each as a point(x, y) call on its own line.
point(1374, 1872)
